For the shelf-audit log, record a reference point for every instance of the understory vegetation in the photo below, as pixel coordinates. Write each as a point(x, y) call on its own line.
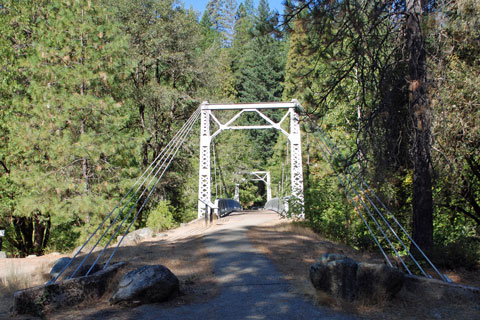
point(91, 92)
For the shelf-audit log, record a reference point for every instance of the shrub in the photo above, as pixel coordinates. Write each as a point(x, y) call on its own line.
point(161, 218)
point(463, 252)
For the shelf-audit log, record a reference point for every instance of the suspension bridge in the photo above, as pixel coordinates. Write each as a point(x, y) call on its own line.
point(388, 234)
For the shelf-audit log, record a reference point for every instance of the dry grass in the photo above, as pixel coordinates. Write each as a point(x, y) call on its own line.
point(14, 278)
point(294, 248)
point(182, 252)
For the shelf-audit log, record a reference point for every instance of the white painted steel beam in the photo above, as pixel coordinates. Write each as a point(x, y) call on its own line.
point(296, 171)
point(240, 106)
point(294, 137)
point(265, 177)
point(204, 192)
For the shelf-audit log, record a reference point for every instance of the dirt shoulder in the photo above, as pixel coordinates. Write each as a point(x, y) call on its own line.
point(293, 249)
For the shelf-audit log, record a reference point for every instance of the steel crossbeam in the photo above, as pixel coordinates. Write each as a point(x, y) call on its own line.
point(265, 177)
point(206, 137)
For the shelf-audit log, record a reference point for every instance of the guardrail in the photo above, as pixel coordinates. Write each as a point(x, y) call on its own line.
point(279, 205)
point(227, 206)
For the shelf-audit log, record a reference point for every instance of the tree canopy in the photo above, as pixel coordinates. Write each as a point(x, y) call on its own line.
point(92, 91)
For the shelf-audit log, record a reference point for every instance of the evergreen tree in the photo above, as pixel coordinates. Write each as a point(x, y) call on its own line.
point(169, 73)
point(222, 15)
point(258, 68)
point(65, 148)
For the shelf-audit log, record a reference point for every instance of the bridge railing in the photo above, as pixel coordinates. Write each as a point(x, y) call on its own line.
point(227, 206)
point(279, 205)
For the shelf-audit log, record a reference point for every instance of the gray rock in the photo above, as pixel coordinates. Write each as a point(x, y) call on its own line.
point(31, 256)
point(3, 255)
point(344, 278)
point(335, 275)
point(146, 284)
point(135, 237)
point(84, 269)
point(41, 300)
point(377, 282)
point(437, 290)
point(58, 266)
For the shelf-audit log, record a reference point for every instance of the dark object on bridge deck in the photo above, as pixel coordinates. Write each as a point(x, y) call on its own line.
point(146, 284)
point(344, 278)
point(41, 300)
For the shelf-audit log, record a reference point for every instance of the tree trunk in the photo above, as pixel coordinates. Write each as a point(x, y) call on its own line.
point(82, 123)
point(421, 119)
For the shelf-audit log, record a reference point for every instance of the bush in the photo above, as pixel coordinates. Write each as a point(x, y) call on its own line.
point(161, 218)
point(463, 252)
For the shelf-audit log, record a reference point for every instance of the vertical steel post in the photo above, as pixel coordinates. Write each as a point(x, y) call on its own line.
point(296, 171)
point(269, 187)
point(206, 215)
point(204, 192)
point(237, 193)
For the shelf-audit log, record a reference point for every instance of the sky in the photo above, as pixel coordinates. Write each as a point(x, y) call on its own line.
point(199, 5)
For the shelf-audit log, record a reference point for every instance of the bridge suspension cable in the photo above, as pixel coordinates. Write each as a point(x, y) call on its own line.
point(348, 179)
point(159, 165)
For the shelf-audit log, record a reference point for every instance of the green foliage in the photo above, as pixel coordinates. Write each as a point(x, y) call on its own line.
point(456, 156)
point(91, 92)
point(462, 253)
point(64, 155)
point(249, 195)
point(161, 217)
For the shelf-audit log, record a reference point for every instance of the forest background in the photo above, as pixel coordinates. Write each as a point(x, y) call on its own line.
point(92, 91)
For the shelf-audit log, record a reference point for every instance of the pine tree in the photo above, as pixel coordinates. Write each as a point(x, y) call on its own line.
point(65, 147)
point(222, 15)
point(258, 68)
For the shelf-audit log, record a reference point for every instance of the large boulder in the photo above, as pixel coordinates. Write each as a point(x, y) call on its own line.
point(377, 282)
point(59, 265)
point(344, 278)
point(335, 275)
point(146, 284)
point(82, 271)
point(135, 237)
point(43, 299)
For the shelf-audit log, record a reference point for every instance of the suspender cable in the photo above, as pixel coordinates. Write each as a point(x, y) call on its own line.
point(375, 220)
point(146, 200)
point(335, 149)
point(331, 146)
point(150, 170)
point(355, 204)
point(166, 158)
point(363, 182)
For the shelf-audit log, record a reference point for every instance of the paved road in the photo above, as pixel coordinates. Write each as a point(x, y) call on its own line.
point(250, 286)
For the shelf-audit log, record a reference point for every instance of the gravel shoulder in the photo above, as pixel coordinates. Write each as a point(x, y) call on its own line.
point(293, 249)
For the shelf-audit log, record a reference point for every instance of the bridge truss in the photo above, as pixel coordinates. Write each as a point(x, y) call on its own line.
point(206, 137)
point(257, 176)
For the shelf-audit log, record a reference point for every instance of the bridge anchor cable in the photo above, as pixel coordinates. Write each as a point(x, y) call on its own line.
point(159, 165)
point(360, 190)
